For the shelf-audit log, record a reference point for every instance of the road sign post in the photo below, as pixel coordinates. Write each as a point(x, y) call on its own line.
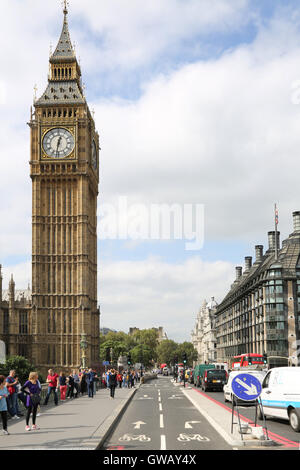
point(246, 387)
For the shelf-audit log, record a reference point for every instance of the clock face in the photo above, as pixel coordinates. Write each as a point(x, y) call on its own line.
point(58, 143)
point(94, 155)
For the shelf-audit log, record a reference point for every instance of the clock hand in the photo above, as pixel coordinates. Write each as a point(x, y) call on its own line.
point(58, 144)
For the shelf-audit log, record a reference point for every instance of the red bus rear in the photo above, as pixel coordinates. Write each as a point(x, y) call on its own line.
point(248, 359)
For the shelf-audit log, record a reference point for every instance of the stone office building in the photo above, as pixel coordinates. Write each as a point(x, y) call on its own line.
point(203, 336)
point(261, 312)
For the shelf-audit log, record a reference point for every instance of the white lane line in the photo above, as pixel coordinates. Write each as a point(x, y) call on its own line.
point(159, 399)
point(161, 421)
point(214, 424)
point(160, 407)
point(163, 442)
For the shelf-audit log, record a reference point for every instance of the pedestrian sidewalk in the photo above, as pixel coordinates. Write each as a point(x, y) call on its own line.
point(81, 423)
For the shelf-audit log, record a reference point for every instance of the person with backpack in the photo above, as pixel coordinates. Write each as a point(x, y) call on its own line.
point(32, 389)
point(3, 404)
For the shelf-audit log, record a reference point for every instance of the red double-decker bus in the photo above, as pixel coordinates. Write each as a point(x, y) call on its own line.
point(249, 359)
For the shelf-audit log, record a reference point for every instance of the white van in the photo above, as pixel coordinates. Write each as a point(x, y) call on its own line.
point(281, 395)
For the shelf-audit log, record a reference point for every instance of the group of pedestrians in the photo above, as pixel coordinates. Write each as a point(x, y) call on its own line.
point(29, 394)
point(70, 385)
point(111, 379)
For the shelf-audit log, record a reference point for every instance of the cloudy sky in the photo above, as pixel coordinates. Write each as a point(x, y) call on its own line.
point(196, 102)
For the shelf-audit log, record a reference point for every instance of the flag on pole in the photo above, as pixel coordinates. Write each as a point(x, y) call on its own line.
point(276, 215)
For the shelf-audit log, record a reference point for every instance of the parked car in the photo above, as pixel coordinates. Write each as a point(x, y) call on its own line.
point(228, 394)
point(199, 371)
point(281, 395)
point(214, 379)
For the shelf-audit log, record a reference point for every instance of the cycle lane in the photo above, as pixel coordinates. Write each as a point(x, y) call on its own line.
point(184, 426)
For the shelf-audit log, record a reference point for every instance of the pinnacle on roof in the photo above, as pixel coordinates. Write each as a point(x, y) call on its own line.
point(64, 48)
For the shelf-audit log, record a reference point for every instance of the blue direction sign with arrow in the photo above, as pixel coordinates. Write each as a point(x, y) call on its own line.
point(246, 387)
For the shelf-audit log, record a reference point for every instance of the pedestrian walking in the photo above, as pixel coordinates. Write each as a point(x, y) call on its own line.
point(52, 380)
point(128, 381)
point(12, 399)
point(90, 378)
point(112, 382)
point(104, 380)
point(131, 378)
point(62, 380)
point(21, 396)
point(120, 379)
point(83, 383)
point(3, 404)
point(107, 378)
point(71, 385)
point(32, 389)
point(124, 380)
point(76, 382)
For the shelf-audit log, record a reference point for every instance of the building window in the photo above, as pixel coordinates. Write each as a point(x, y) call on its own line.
point(22, 350)
point(6, 322)
point(23, 323)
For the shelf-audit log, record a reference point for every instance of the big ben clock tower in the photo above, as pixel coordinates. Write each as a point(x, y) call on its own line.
point(65, 177)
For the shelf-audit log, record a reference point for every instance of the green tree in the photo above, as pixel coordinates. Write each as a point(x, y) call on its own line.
point(21, 365)
point(118, 342)
point(188, 348)
point(166, 351)
point(148, 338)
point(142, 354)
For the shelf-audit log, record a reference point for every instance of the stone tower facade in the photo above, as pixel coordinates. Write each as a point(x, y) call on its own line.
point(64, 168)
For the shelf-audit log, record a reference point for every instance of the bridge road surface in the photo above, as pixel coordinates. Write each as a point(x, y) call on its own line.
point(160, 417)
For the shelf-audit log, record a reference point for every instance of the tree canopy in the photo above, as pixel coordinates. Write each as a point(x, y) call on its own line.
point(144, 347)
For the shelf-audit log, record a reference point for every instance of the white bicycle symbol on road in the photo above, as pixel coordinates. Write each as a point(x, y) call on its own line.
point(130, 437)
point(192, 437)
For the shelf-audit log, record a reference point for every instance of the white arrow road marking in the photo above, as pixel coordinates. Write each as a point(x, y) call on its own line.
point(175, 397)
point(188, 424)
point(138, 424)
point(250, 390)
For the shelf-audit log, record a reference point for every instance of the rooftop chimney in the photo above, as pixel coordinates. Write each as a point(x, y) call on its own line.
point(272, 241)
point(296, 219)
point(239, 272)
point(259, 251)
point(248, 263)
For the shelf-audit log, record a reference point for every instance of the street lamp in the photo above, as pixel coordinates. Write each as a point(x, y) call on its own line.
point(83, 347)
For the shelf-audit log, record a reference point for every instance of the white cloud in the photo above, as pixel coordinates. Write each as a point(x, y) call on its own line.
point(134, 33)
point(223, 133)
point(155, 293)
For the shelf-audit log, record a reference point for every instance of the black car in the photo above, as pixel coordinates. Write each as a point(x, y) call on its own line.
point(214, 379)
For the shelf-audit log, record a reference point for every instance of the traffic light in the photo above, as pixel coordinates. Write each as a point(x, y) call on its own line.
point(265, 358)
point(129, 359)
point(184, 358)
